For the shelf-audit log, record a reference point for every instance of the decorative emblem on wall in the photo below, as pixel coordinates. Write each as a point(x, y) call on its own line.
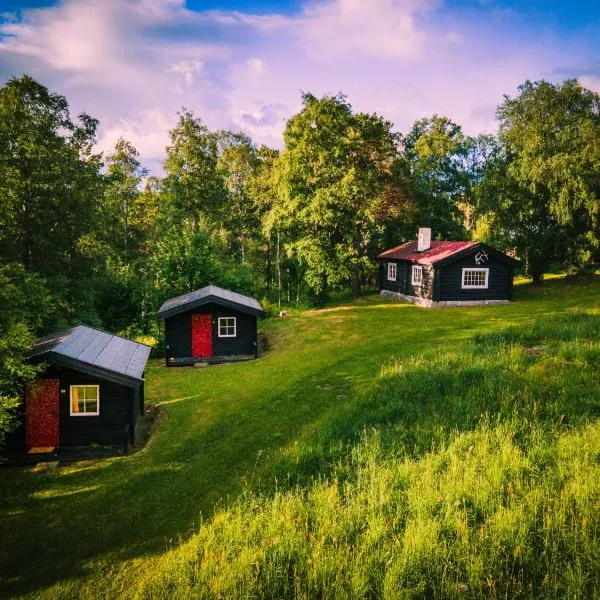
point(480, 257)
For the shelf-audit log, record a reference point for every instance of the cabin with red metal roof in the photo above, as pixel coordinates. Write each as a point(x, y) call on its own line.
point(446, 273)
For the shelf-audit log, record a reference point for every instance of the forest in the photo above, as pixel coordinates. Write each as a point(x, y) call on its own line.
point(93, 238)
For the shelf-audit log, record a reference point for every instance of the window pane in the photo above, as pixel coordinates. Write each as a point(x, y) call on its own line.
point(75, 399)
point(473, 278)
point(91, 392)
point(81, 406)
point(92, 406)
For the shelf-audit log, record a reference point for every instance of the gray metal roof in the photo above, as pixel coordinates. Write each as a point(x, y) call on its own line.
point(95, 352)
point(210, 293)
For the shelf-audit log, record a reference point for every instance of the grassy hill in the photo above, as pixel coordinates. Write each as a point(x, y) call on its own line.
point(380, 449)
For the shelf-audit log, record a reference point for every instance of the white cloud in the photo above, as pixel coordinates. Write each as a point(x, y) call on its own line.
point(386, 29)
point(134, 63)
point(591, 82)
point(146, 133)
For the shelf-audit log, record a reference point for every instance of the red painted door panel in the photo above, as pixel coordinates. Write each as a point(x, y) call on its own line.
point(41, 423)
point(201, 335)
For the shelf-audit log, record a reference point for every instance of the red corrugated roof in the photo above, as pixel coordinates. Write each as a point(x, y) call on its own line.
point(438, 251)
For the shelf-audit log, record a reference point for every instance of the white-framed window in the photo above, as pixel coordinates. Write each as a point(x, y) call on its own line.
point(417, 275)
point(227, 326)
point(85, 400)
point(475, 279)
point(392, 269)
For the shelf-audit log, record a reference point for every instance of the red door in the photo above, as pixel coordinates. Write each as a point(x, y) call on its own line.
point(201, 335)
point(41, 408)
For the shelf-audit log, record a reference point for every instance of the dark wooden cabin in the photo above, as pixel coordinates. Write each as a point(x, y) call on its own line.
point(210, 325)
point(446, 273)
point(90, 393)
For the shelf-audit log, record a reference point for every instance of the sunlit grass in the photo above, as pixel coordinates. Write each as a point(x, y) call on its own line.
point(292, 418)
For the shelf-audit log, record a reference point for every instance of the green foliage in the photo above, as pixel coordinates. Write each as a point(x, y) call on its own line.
point(23, 300)
point(341, 177)
point(437, 153)
point(49, 188)
point(126, 209)
point(193, 185)
point(543, 193)
point(188, 258)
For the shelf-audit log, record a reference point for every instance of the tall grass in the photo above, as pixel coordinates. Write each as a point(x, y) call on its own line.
point(475, 477)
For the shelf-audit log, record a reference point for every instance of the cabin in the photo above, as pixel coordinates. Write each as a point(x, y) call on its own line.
point(90, 393)
point(446, 273)
point(210, 325)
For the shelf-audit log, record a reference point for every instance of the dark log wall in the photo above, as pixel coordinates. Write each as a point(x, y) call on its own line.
point(403, 283)
point(178, 333)
point(117, 410)
point(393, 286)
point(449, 280)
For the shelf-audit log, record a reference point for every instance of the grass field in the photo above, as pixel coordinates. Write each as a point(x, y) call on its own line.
point(360, 396)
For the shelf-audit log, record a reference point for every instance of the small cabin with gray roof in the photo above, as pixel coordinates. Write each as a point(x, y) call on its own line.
point(211, 325)
point(446, 273)
point(91, 391)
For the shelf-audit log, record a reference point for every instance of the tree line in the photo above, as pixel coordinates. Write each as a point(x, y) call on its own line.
point(92, 238)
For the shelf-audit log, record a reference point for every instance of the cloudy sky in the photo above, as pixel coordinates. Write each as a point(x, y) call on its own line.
point(242, 64)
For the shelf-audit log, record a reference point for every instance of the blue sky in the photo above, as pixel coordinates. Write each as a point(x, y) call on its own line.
point(242, 64)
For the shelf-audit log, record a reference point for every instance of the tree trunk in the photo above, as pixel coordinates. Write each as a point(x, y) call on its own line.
point(268, 269)
point(355, 268)
point(356, 289)
point(278, 270)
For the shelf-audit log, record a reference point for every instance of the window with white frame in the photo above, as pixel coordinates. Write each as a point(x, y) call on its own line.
point(85, 400)
point(473, 279)
point(227, 326)
point(392, 268)
point(417, 275)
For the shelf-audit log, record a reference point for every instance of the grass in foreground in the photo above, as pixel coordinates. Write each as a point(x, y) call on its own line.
point(96, 529)
point(479, 481)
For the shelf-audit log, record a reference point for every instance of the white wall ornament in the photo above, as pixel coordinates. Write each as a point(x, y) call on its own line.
point(481, 257)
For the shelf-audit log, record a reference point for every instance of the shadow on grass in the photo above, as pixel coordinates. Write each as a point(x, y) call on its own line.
point(288, 417)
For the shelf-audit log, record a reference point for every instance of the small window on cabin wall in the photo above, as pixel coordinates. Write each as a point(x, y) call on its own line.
point(85, 400)
point(417, 275)
point(392, 271)
point(227, 326)
point(473, 279)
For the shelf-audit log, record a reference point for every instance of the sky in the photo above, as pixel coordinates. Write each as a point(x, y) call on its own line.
point(243, 64)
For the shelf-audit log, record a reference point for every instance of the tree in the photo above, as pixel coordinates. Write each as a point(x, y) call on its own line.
point(24, 306)
point(124, 210)
point(551, 139)
point(439, 157)
point(50, 185)
point(193, 186)
point(190, 257)
point(341, 179)
point(125, 230)
point(237, 164)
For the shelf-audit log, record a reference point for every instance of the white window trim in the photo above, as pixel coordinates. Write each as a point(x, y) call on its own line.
point(390, 269)
point(231, 335)
point(464, 286)
point(417, 269)
point(84, 414)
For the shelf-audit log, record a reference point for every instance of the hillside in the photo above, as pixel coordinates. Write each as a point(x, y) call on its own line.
point(383, 450)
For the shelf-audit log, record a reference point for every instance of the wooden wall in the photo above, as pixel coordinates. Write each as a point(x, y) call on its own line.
point(178, 333)
point(117, 410)
point(449, 280)
point(403, 283)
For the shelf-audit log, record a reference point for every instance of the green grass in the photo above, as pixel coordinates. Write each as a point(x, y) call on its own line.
point(516, 384)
